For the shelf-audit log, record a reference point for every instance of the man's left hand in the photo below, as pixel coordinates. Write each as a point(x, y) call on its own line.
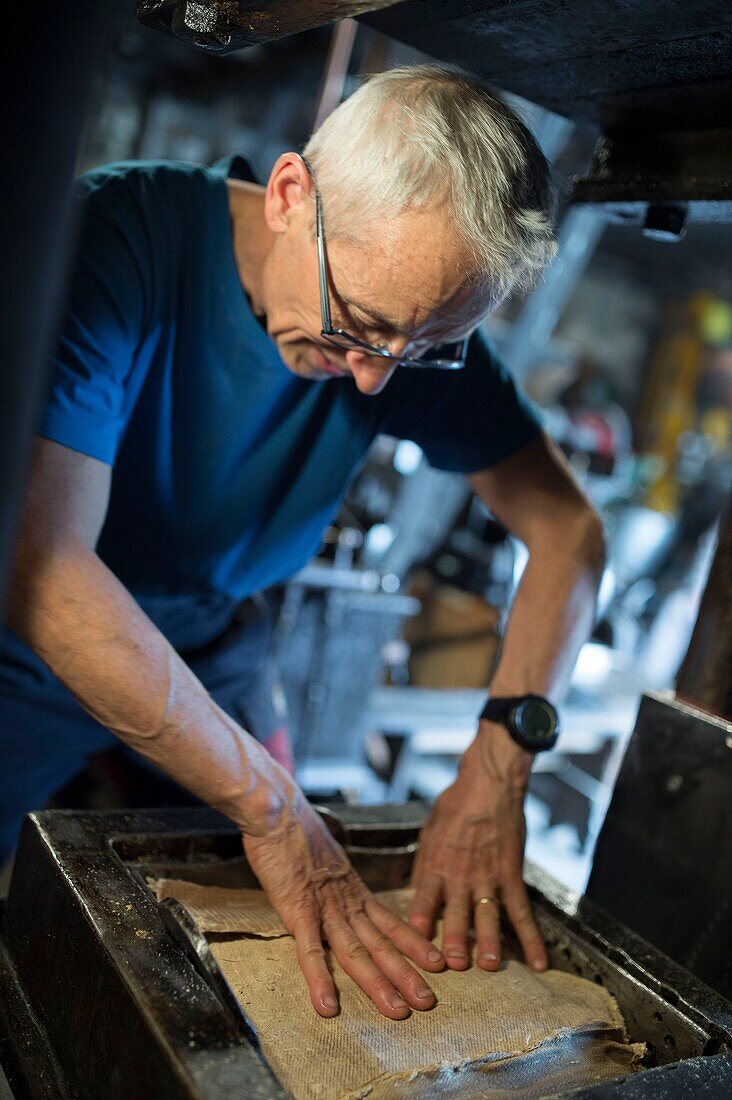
point(471, 848)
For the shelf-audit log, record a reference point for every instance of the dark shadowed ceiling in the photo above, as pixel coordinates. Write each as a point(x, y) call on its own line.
point(663, 64)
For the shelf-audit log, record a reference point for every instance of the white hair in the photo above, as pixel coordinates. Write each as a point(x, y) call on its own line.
point(425, 136)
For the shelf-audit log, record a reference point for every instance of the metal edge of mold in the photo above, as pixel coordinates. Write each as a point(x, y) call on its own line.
point(641, 960)
point(27, 1056)
point(56, 919)
point(692, 1078)
point(669, 1033)
point(187, 933)
point(154, 987)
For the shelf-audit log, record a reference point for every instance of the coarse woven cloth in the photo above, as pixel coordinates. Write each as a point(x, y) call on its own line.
point(513, 1033)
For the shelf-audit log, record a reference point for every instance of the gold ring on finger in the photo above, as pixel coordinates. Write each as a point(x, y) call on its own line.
point(485, 901)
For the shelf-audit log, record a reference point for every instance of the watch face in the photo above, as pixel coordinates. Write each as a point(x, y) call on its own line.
point(536, 720)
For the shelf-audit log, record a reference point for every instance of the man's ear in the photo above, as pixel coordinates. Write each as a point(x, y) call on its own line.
point(289, 189)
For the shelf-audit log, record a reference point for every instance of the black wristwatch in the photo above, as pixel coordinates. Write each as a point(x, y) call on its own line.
point(531, 720)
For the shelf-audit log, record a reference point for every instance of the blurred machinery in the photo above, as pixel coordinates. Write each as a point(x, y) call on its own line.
point(336, 625)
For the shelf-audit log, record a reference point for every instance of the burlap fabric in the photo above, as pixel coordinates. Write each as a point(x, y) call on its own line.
point(513, 1032)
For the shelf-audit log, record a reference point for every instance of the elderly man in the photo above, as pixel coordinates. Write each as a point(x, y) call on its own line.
point(228, 355)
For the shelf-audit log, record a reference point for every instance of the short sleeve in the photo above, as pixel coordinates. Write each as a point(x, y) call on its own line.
point(464, 420)
point(95, 373)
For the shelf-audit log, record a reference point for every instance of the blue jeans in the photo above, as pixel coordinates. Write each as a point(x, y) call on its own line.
point(46, 737)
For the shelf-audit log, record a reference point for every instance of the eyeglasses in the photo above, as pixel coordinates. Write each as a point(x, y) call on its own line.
point(442, 357)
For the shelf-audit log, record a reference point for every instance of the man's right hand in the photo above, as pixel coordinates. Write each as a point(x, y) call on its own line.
point(68, 606)
point(312, 885)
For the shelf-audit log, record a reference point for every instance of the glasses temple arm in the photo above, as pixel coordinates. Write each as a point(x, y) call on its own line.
point(322, 267)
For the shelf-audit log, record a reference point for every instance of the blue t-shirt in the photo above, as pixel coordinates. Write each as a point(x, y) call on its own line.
point(227, 466)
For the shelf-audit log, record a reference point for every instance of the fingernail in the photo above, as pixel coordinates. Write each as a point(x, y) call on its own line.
point(539, 965)
point(453, 953)
point(434, 956)
point(329, 1001)
point(488, 956)
point(398, 1002)
point(425, 994)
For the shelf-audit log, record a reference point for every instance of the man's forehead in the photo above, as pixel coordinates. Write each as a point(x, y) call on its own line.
point(404, 296)
point(407, 278)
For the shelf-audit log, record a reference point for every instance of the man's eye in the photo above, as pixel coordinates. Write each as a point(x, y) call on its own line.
point(380, 333)
point(367, 324)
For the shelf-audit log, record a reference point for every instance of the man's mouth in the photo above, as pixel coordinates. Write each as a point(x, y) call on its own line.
point(324, 364)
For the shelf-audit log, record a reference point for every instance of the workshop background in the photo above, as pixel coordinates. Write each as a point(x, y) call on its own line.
point(387, 640)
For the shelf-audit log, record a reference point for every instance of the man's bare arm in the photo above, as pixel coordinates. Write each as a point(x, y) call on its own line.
point(68, 607)
point(472, 845)
point(535, 496)
point(74, 613)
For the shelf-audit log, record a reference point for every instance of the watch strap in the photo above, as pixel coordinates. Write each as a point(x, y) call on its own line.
point(498, 709)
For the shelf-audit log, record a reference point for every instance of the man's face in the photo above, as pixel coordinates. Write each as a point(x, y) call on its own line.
point(404, 288)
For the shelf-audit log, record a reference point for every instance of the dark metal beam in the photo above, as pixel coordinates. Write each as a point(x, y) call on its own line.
point(661, 180)
point(662, 863)
point(46, 60)
point(659, 65)
point(225, 25)
point(653, 78)
point(705, 677)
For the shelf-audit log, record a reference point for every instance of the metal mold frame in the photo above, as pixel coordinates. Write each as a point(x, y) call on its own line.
point(122, 997)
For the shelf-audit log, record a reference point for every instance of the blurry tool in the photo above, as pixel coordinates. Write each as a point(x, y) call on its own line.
point(454, 639)
point(669, 406)
point(336, 634)
point(425, 505)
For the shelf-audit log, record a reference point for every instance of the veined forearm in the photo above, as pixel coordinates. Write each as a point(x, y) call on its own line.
point(90, 632)
point(552, 614)
point(551, 617)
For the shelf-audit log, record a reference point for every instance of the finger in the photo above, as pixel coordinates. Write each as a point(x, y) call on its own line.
point(487, 923)
point(518, 910)
point(392, 963)
point(423, 907)
point(456, 925)
point(405, 938)
point(358, 964)
point(313, 963)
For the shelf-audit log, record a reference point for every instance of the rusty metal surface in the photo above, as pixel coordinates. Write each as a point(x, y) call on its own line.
point(225, 25)
point(123, 1008)
point(123, 990)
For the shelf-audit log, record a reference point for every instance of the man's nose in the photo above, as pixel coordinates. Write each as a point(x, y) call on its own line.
point(369, 372)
